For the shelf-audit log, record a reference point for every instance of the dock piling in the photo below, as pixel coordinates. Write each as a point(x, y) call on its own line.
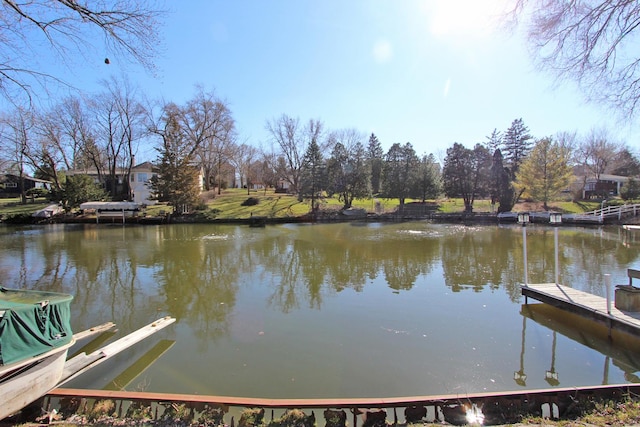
point(607, 285)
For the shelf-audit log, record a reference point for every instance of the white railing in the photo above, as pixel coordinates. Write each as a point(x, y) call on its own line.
point(615, 212)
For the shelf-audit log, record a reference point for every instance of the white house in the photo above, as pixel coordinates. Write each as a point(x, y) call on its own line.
point(140, 176)
point(138, 181)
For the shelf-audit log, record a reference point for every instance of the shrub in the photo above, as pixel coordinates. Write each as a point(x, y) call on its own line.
point(140, 411)
point(614, 202)
point(19, 218)
point(102, 408)
point(200, 206)
point(177, 413)
point(294, 418)
point(37, 192)
point(631, 190)
point(251, 417)
point(251, 201)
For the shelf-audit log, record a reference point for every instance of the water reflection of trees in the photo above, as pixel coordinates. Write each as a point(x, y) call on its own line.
point(197, 275)
point(476, 258)
point(316, 260)
point(194, 272)
point(492, 256)
point(590, 250)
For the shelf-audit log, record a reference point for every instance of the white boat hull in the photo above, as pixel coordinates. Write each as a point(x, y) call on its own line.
point(23, 383)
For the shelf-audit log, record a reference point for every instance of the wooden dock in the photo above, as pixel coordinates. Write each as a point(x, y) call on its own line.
point(584, 304)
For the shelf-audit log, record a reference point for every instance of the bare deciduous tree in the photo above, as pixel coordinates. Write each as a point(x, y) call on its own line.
point(243, 158)
point(119, 127)
point(598, 151)
point(266, 170)
point(48, 155)
point(209, 125)
point(590, 41)
point(292, 141)
point(68, 29)
point(78, 139)
point(16, 132)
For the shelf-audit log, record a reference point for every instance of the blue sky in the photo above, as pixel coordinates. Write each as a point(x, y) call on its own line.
point(429, 72)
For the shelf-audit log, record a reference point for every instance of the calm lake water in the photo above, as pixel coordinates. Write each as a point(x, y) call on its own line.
point(333, 310)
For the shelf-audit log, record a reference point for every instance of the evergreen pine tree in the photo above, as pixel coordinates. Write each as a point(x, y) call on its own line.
point(375, 156)
point(176, 176)
point(516, 144)
point(313, 174)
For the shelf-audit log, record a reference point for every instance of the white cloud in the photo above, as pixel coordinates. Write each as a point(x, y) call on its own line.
point(382, 51)
point(447, 86)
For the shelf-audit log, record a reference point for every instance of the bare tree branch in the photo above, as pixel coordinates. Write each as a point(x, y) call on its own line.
point(591, 42)
point(69, 29)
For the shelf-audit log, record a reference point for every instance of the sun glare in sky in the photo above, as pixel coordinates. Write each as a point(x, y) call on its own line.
point(463, 18)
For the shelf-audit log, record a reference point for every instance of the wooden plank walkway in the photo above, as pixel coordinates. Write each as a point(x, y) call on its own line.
point(585, 304)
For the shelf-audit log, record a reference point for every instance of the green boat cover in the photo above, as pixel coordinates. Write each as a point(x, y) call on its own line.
point(32, 323)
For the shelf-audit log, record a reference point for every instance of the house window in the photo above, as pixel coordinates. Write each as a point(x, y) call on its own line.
point(143, 177)
point(10, 185)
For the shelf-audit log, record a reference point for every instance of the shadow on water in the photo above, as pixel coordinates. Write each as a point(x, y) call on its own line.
point(619, 348)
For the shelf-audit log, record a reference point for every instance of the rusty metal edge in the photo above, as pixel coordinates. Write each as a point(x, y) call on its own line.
point(386, 402)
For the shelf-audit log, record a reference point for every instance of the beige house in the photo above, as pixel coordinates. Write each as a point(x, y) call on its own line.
point(140, 176)
point(138, 181)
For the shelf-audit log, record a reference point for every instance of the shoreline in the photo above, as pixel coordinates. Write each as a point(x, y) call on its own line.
point(480, 218)
point(100, 407)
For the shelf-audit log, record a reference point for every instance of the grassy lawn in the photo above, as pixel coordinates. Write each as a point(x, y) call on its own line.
point(283, 205)
point(228, 205)
point(14, 207)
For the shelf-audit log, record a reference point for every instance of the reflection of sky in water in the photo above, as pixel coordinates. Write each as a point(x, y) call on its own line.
point(215, 237)
point(330, 310)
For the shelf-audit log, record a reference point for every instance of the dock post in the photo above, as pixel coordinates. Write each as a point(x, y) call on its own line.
point(524, 249)
point(555, 235)
point(607, 285)
point(523, 218)
point(555, 219)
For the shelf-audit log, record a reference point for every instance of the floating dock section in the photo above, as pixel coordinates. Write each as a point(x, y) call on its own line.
point(584, 304)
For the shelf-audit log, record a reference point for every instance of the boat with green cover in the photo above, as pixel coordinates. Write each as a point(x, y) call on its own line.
point(35, 335)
